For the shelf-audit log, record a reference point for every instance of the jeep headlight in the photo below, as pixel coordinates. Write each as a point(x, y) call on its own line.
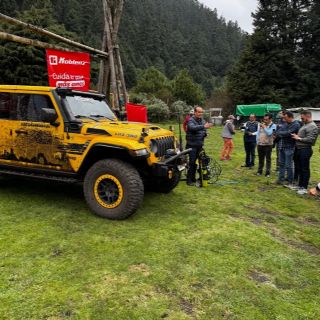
point(153, 146)
point(139, 153)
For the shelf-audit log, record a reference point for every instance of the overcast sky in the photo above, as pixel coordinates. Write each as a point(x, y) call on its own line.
point(235, 10)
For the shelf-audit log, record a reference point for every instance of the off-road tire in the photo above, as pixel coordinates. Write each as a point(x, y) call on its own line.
point(165, 185)
point(129, 181)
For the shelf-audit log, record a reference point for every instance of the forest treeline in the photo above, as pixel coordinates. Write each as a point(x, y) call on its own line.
point(169, 35)
point(181, 50)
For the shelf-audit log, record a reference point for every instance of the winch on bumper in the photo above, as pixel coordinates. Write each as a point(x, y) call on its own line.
point(173, 161)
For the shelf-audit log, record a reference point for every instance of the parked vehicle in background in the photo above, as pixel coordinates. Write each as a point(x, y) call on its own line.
point(243, 112)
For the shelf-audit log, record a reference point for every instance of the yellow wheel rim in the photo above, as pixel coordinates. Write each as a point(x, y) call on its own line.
point(108, 191)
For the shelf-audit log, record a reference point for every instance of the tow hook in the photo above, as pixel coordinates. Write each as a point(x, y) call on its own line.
point(170, 174)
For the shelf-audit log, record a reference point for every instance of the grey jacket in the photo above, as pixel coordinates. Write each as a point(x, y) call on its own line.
point(228, 130)
point(308, 134)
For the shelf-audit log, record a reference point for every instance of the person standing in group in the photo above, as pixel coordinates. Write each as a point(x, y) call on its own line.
point(186, 120)
point(250, 129)
point(280, 124)
point(265, 134)
point(305, 139)
point(227, 136)
point(286, 149)
point(196, 132)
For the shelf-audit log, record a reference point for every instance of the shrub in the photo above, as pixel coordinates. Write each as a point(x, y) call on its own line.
point(179, 108)
point(157, 110)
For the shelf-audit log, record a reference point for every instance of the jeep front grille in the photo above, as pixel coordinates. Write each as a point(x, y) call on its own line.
point(163, 145)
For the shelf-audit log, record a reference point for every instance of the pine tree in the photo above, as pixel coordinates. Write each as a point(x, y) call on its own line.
point(153, 82)
point(269, 69)
point(309, 58)
point(185, 89)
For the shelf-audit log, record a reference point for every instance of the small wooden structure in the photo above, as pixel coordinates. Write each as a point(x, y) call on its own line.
point(111, 76)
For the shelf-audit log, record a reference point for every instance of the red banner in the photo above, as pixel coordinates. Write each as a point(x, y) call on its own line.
point(136, 113)
point(68, 69)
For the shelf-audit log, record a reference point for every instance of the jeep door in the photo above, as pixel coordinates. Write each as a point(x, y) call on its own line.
point(35, 142)
point(7, 108)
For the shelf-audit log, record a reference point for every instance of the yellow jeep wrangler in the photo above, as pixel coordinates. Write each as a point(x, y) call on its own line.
point(72, 136)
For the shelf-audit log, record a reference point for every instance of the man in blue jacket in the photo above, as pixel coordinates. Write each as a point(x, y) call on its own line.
point(250, 142)
point(286, 148)
point(196, 132)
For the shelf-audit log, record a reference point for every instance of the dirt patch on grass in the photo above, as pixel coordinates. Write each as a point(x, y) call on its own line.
point(308, 247)
point(57, 252)
point(263, 211)
point(235, 215)
point(255, 220)
point(197, 286)
point(309, 221)
point(63, 315)
point(264, 189)
point(165, 315)
point(268, 212)
point(260, 277)
point(140, 268)
point(227, 314)
point(305, 246)
point(186, 307)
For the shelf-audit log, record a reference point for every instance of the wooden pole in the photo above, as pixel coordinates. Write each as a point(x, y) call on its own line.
point(111, 77)
point(52, 35)
point(113, 80)
point(117, 18)
point(121, 75)
point(102, 73)
point(35, 43)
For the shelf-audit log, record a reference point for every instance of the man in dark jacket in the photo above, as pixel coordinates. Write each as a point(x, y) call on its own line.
point(286, 148)
point(305, 139)
point(280, 124)
point(196, 132)
point(250, 140)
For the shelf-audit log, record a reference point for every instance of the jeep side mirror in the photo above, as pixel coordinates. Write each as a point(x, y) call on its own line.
point(48, 115)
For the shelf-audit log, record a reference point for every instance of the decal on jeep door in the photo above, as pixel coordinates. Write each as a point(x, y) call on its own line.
point(37, 147)
point(74, 148)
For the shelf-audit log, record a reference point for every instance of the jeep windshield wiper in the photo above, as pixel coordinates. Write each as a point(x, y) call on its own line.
point(80, 116)
point(100, 116)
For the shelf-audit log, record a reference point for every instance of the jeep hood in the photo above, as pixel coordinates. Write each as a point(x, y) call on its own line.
point(128, 130)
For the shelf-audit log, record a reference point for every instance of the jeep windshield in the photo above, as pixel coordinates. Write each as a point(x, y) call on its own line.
point(82, 107)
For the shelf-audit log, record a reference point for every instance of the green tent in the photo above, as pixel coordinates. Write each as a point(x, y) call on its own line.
point(258, 109)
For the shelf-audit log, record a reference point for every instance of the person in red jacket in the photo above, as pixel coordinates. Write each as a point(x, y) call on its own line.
point(185, 122)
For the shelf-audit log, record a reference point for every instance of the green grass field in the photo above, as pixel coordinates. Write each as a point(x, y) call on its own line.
point(244, 248)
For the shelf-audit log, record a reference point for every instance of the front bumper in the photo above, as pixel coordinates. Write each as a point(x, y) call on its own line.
point(174, 163)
